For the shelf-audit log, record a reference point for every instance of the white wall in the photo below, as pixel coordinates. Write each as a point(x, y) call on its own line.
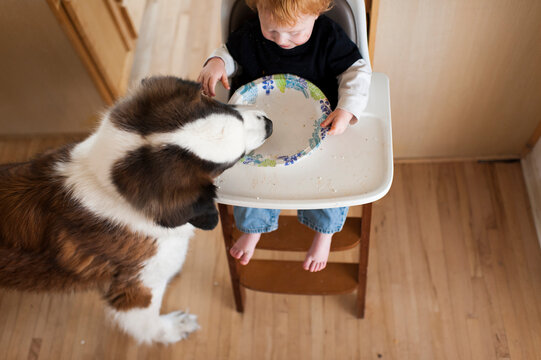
point(44, 87)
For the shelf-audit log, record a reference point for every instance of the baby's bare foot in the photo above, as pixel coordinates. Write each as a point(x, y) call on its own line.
point(244, 247)
point(316, 258)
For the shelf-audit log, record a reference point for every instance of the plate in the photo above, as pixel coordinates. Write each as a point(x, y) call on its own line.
point(296, 107)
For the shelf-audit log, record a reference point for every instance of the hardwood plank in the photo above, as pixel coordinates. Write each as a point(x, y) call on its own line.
point(20, 345)
point(454, 248)
point(33, 351)
point(484, 228)
point(10, 308)
point(520, 257)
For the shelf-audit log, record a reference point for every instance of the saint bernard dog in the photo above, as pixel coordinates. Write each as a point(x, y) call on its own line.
point(115, 211)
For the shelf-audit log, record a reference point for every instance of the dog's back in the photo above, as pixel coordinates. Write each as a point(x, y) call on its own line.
point(26, 192)
point(55, 246)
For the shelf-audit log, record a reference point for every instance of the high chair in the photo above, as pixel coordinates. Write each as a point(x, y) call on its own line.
point(355, 168)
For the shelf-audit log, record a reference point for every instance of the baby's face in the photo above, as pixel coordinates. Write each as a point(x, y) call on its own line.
point(286, 36)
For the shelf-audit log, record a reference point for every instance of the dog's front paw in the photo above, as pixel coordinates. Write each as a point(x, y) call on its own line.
point(176, 326)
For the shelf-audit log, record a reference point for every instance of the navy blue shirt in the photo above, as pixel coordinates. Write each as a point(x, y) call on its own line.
point(327, 54)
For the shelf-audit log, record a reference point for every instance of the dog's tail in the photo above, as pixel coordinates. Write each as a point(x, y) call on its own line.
point(22, 270)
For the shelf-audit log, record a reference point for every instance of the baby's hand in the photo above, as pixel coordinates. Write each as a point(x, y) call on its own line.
point(339, 120)
point(213, 71)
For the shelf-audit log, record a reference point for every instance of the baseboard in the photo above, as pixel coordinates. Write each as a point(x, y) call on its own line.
point(431, 160)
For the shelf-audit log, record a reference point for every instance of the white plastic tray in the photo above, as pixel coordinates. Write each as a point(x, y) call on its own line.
point(350, 169)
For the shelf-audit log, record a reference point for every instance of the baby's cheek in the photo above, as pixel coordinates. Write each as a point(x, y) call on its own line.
point(267, 36)
point(301, 39)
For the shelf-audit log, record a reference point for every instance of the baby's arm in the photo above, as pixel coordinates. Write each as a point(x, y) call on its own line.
point(353, 86)
point(218, 67)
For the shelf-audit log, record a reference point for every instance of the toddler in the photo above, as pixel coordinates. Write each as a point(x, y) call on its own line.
point(292, 36)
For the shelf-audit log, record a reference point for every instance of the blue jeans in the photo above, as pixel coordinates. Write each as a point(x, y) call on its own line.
point(256, 221)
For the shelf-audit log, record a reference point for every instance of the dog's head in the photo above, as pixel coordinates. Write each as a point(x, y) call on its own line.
point(187, 140)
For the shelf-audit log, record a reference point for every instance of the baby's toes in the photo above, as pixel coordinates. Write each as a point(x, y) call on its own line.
point(307, 262)
point(245, 258)
point(236, 253)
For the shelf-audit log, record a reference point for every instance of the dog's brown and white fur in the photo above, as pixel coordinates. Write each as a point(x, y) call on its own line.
point(116, 211)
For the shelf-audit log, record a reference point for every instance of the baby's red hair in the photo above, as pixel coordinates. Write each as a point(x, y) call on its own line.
point(287, 11)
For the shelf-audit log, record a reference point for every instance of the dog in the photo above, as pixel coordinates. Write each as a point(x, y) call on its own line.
point(115, 212)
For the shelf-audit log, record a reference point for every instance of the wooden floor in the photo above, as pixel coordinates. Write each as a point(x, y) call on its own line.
point(176, 38)
point(454, 268)
point(454, 273)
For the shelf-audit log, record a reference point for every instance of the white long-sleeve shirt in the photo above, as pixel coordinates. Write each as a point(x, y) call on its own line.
point(353, 83)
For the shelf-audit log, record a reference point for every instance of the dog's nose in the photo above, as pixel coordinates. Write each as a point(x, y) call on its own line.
point(268, 127)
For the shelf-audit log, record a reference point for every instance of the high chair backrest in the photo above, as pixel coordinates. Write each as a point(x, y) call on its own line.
point(349, 14)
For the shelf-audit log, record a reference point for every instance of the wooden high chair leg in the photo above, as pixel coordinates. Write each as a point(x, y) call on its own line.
point(227, 228)
point(228, 225)
point(363, 258)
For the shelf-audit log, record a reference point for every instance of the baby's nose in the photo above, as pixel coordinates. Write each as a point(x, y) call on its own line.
point(281, 39)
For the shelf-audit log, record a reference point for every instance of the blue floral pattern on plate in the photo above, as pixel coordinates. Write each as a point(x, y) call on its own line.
point(265, 86)
point(249, 93)
point(268, 84)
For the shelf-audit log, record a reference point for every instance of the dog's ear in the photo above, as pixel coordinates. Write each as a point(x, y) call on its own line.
point(201, 214)
point(205, 214)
